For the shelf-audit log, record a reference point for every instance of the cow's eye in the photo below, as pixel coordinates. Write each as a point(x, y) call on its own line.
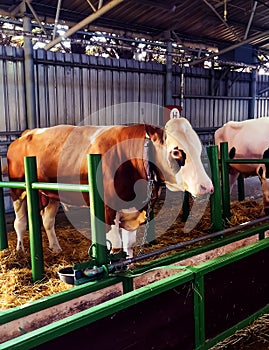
point(179, 155)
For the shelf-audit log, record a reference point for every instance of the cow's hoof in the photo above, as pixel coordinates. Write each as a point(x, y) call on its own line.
point(20, 248)
point(55, 250)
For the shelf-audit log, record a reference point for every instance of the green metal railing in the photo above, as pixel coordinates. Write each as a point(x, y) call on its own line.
point(196, 275)
point(224, 164)
point(94, 188)
point(219, 203)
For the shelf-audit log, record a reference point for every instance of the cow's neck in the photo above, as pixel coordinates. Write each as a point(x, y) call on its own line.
point(153, 179)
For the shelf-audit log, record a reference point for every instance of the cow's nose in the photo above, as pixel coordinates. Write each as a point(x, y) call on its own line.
point(206, 189)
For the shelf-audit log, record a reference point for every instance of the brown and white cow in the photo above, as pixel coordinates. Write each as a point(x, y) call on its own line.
point(61, 157)
point(247, 139)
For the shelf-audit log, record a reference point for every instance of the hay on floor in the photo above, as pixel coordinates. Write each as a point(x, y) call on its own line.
point(16, 287)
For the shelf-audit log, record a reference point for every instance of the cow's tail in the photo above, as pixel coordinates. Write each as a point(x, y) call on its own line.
point(4, 170)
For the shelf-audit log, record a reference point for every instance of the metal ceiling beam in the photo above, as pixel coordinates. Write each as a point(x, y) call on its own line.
point(84, 22)
point(28, 2)
point(250, 19)
point(221, 19)
point(230, 48)
point(17, 10)
point(166, 5)
point(56, 18)
point(91, 5)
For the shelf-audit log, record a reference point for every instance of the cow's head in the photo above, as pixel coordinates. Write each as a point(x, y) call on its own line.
point(178, 156)
point(263, 173)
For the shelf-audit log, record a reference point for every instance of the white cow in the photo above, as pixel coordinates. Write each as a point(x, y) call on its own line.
point(247, 139)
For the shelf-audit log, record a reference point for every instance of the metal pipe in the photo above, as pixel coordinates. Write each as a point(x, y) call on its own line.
point(253, 93)
point(247, 161)
point(250, 19)
point(169, 67)
point(56, 18)
point(97, 212)
point(34, 221)
point(35, 15)
point(221, 19)
point(29, 76)
point(84, 22)
point(215, 198)
point(184, 244)
point(182, 87)
point(91, 5)
point(226, 198)
point(51, 186)
point(230, 48)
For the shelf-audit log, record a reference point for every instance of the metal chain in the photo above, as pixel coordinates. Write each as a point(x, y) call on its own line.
point(148, 200)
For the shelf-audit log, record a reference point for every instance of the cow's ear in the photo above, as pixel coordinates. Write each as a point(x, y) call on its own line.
point(266, 156)
point(155, 133)
point(232, 153)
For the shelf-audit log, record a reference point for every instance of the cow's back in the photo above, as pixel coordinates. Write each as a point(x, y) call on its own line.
point(47, 145)
point(249, 138)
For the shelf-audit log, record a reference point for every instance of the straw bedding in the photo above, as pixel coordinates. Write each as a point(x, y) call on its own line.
point(254, 337)
point(16, 287)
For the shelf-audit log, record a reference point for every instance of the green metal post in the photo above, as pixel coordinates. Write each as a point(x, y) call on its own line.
point(97, 212)
point(34, 221)
point(3, 229)
point(199, 310)
point(215, 198)
point(224, 157)
point(241, 187)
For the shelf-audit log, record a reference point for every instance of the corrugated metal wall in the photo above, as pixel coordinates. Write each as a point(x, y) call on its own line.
point(77, 89)
point(12, 93)
point(212, 97)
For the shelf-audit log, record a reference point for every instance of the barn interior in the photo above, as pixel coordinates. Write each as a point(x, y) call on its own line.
point(188, 38)
point(204, 30)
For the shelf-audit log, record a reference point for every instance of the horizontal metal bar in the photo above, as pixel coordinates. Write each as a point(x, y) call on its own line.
point(10, 133)
point(51, 186)
point(188, 253)
point(52, 300)
point(232, 98)
point(12, 184)
point(232, 256)
point(210, 236)
point(247, 161)
point(91, 315)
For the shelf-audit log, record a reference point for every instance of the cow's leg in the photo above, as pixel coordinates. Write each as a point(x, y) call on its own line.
point(113, 236)
point(128, 241)
point(48, 217)
point(233, 175)
point(20, 223)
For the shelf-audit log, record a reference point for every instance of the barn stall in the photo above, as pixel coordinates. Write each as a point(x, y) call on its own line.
point(193, 338)
point(76, 88)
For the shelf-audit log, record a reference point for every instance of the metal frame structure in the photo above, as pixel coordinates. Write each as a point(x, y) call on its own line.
point(199, 277)
point(232, 33)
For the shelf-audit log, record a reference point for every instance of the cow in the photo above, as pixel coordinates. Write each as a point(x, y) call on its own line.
point(61, 157)
point(247, 139)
